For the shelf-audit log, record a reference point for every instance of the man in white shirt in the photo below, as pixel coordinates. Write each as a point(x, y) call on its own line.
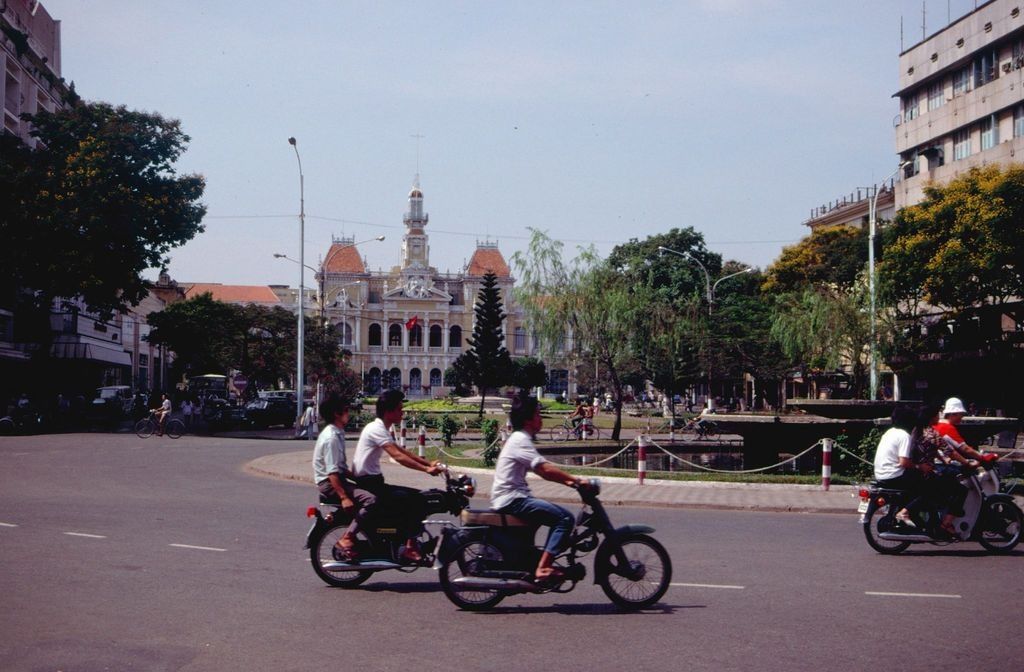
point(510, 492)
point(374, 441)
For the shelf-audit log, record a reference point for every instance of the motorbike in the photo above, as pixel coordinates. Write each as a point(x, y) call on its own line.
point(991, 517)
point(379, 547)
point(493, 555)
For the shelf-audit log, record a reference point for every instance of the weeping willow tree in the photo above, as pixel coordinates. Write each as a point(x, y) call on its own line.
point(580, 311)
point(827, 327)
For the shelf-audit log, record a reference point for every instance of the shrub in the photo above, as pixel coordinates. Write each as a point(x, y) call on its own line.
point(848, 463)
point(448, 428)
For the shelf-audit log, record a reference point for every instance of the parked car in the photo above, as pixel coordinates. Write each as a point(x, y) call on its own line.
point(263, 413)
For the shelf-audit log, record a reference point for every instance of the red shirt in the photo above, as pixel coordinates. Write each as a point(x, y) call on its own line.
point(950, 430)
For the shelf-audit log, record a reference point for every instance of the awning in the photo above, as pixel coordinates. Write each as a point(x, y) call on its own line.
point(91, 351)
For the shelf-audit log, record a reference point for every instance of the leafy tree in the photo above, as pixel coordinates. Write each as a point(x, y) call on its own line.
point(487, 360)
point(831, 256)
point(528, 372)
point(583, 313)
point(95, 204)
point(204, 334)
point(961, 246)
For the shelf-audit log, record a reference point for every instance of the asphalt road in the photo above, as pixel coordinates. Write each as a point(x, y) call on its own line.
point(126, 554)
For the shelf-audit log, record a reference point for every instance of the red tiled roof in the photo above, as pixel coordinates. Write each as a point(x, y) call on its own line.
point(488, 259)
point(343, 258)
point(241, 294)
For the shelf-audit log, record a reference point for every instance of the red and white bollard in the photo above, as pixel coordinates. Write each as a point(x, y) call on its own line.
point(826, 463)
point(391, 430)
point(401, 442)
point(421, 441)
point(641, 457)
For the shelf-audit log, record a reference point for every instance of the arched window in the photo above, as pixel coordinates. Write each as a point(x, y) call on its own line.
point(415, 381)
point(344, 334)
point(395, 336)
point(435, 377)
point(436, 336)
point(416, 337)
point(375, 335)
point(455, 337)
point(395, 379)
point(373, 380)
point(519, 340)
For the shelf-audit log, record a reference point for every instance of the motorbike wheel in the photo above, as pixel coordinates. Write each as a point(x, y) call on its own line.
point(6, 426)
point(882, 520)
point(321, 553)
point(469, 560)
point(144, 428)
point(175, 428)
point(1000, 526)
point(644, 581)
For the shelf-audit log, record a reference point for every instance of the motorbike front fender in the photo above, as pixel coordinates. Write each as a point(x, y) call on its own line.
point(611, 544)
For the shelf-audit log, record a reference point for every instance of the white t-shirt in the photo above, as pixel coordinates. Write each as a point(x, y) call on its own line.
point(517, 457)
point(329, 453)
point(373, 438)
point(893, 445)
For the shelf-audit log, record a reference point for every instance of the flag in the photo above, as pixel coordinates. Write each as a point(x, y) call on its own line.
point(412, 322)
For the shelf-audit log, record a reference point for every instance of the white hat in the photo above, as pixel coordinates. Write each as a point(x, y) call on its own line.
point(953, 405)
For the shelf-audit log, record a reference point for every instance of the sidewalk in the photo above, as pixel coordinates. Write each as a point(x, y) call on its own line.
point(615, 491)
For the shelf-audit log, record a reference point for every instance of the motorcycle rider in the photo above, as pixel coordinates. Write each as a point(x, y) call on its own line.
point(332, 476)
point(952, 413)
point(374, 440)
point(510, 492)
point(894, 464)
point(941, 485)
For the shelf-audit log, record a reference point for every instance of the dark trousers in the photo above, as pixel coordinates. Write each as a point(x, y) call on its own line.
point(406, 504)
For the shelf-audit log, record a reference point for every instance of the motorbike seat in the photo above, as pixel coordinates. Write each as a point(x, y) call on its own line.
point(491, 518)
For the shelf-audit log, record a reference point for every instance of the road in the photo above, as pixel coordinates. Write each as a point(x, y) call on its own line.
point(128, 554)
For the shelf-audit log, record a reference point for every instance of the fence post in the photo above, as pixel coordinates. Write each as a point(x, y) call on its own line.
point(826, 463)
point(422, 441)
point(641, 457)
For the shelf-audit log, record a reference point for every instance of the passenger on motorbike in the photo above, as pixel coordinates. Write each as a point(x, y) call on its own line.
point(941, 487)
point(374, 440)
point(333, 477)
point(510, 492)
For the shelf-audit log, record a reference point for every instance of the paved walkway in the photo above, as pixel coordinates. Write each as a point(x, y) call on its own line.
point(614, 490)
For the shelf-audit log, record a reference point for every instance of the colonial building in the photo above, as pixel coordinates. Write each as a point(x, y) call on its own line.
point(404, 327)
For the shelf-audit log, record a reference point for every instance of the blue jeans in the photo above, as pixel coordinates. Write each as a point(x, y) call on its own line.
point(542, 512)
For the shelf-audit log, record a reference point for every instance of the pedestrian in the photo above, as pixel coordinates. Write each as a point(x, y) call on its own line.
point(307, 423)
point(186, 412)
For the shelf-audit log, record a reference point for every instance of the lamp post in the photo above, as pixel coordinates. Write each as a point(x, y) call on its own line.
point(300, 382)
point(709, 288)
point(872, 225)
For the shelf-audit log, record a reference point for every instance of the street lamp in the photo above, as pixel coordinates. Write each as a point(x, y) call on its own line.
point(300, 382)
point(710, 287)
point(872, 213)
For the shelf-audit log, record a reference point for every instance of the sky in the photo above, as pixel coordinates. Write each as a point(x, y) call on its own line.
point(595, 122)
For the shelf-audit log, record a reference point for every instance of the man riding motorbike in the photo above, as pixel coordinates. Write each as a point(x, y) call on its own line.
point(374, 440)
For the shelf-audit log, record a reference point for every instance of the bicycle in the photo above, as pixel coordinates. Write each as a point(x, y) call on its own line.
point(566, 429)
point(701, 426)
point(146, 427)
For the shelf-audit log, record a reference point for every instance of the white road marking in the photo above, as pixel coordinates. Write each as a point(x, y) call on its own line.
point(937, 595)
point(83, 534)
point(200, 548)
point(707, 585)
point(7, 525)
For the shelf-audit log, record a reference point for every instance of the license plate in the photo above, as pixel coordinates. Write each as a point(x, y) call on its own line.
point(863, 506)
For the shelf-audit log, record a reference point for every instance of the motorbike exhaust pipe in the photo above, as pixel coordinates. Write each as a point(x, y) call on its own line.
point(365, 565)
point(892, 536)
point(484, 583)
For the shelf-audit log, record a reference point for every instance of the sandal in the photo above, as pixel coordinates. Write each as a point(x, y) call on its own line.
point(345, 552)
point(410, 555)
point(550, 575)
point(904, 518)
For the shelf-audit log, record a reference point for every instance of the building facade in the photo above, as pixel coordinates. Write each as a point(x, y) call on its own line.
point(961, 98)
point(405, 326)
